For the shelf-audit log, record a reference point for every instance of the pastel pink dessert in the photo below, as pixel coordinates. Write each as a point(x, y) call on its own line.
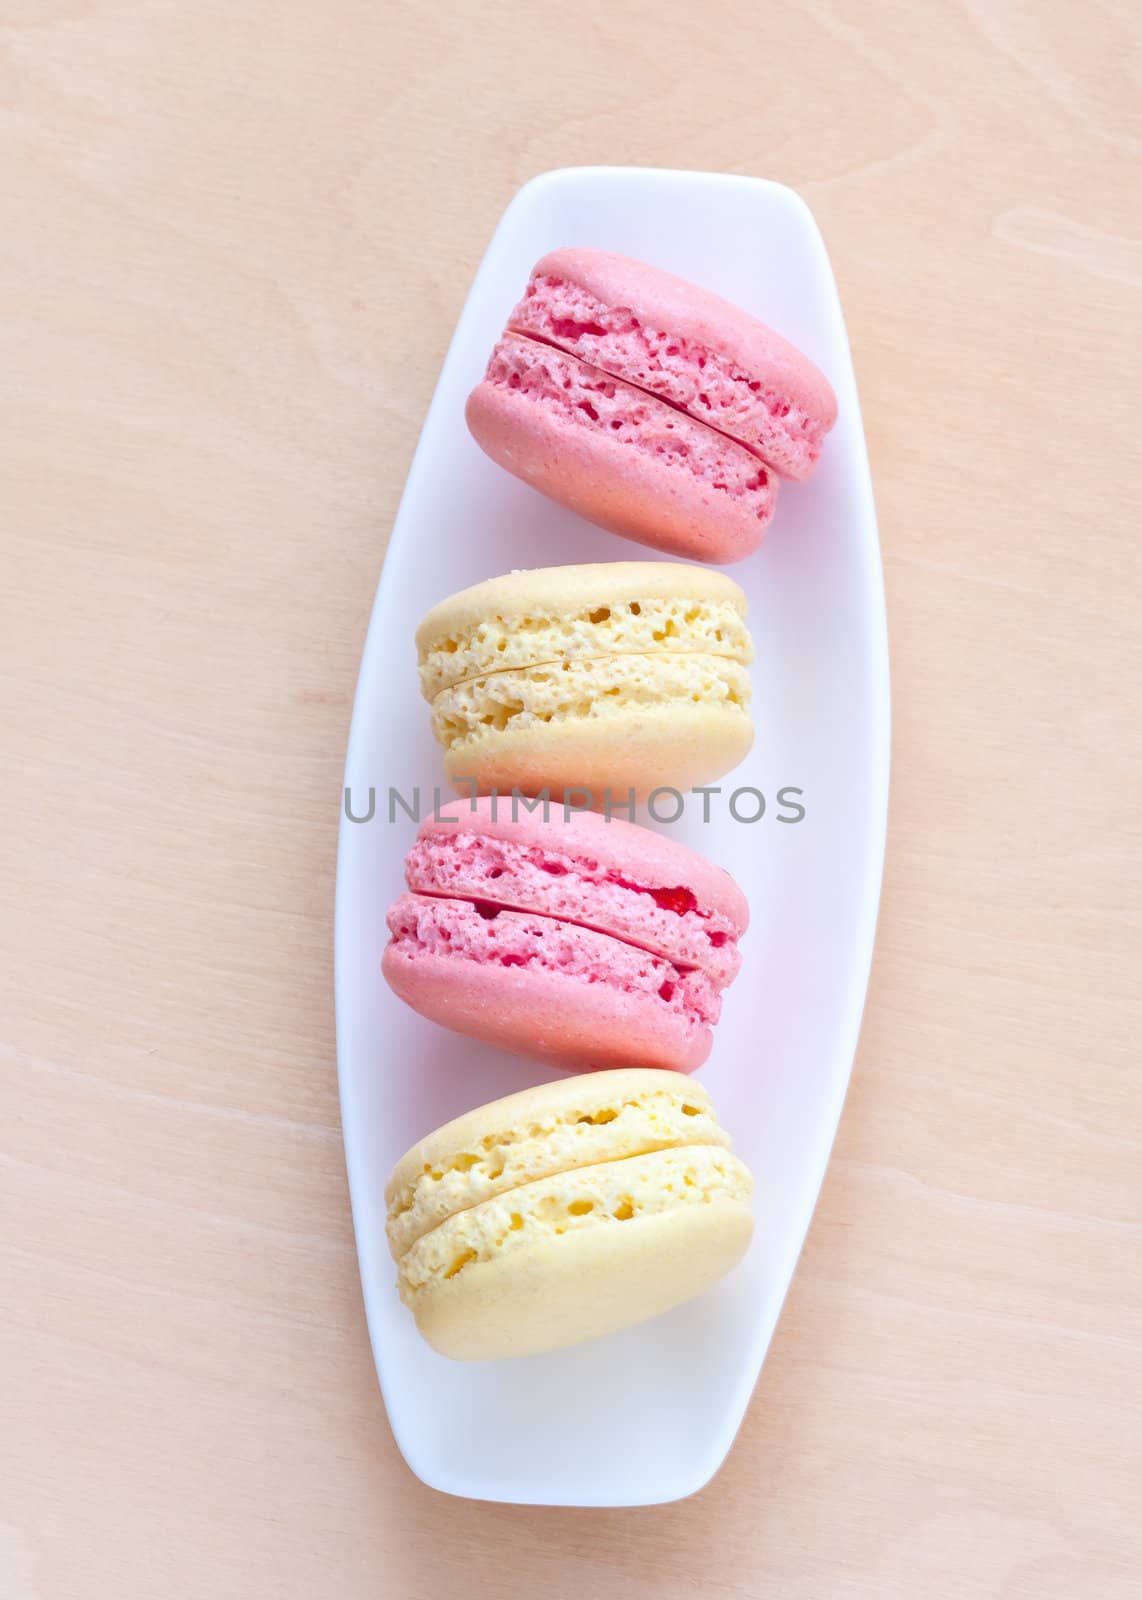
point(591, 943)
point(649, 405)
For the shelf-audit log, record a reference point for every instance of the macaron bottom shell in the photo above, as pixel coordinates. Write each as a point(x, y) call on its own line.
point(680, 745)
point(625, 460)
point(574, 1021)
point(581, 1287)
point(580, 1255)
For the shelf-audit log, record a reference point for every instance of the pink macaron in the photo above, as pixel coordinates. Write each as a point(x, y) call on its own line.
point(589, 942)
point(650, 406)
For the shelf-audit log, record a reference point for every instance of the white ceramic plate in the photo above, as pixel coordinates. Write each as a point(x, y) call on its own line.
point(648, 1415)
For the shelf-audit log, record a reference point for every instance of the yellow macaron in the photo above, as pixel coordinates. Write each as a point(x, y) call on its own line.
point(565, 1212)
point(615, 675)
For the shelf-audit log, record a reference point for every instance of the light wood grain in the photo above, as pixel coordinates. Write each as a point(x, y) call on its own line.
point(233, 244)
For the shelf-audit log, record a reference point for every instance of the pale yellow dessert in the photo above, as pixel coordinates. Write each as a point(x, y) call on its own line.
point(620, 675)
point(565, 1212)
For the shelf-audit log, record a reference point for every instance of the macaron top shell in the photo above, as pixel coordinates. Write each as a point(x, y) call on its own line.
point(569, 590)
point(552, 1128)
point(685, 308)
point(594, 1099)
point(581, 612)
point(666, 335)
point(644, 860)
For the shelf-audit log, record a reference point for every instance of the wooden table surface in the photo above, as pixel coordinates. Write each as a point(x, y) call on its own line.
point(235, 239)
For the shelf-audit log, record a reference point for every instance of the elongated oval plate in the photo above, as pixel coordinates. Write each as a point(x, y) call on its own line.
point(648, 1415)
